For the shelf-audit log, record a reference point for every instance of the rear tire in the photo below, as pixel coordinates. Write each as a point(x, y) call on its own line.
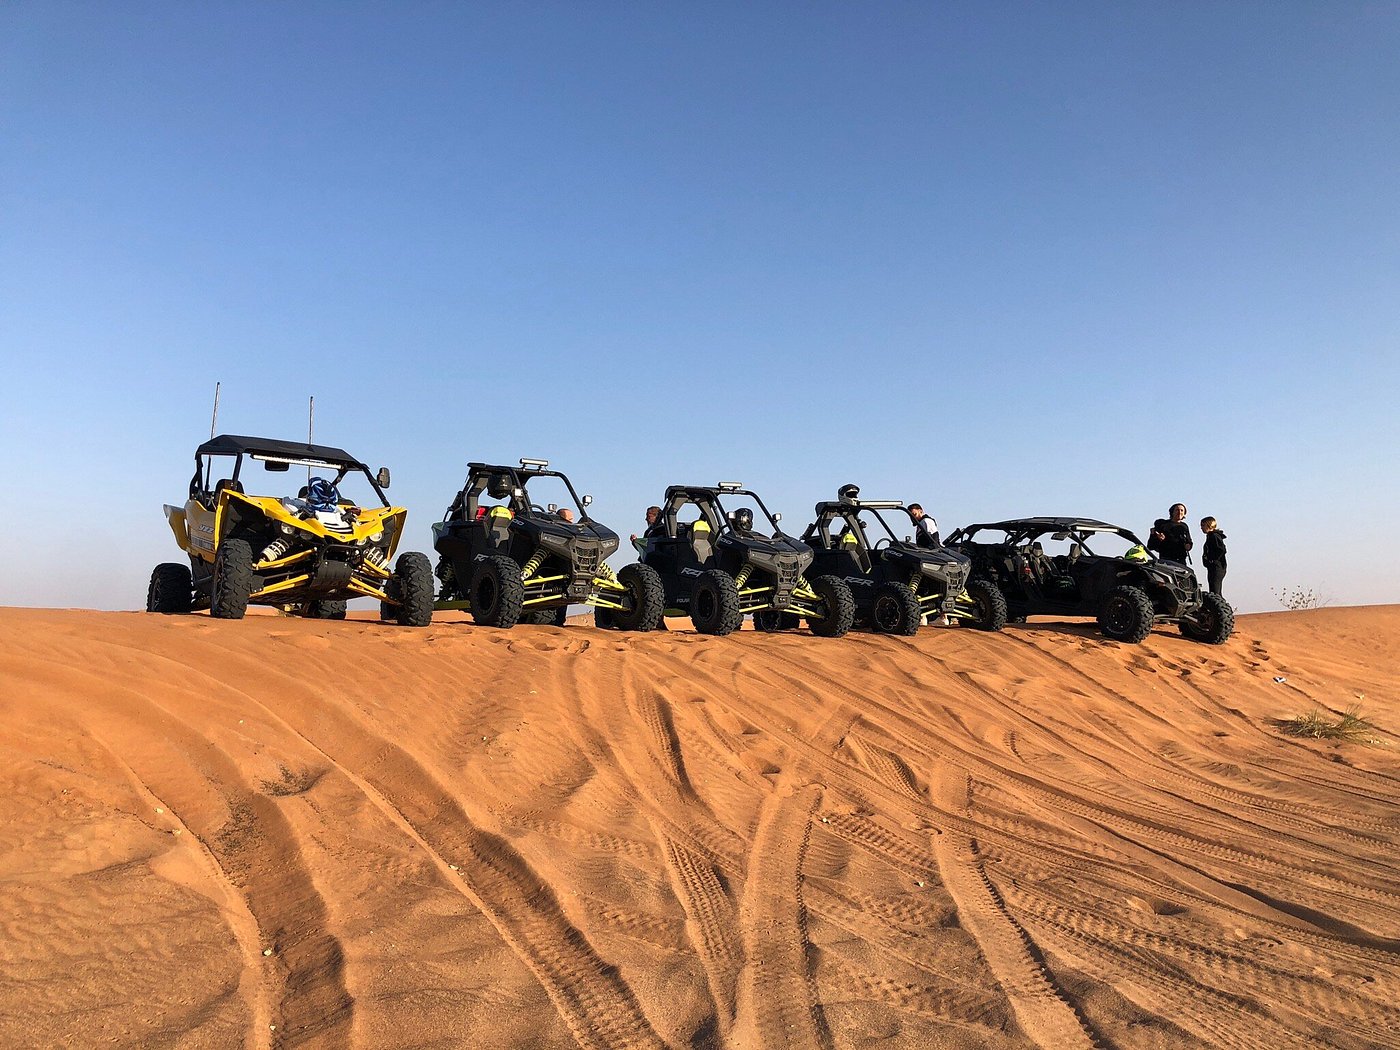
point(1214, 622)
point(647, 596)
point(233, 580)
point(497, 592)
point(840, 607)
point(991, 605)
point(1127, 614)
point(414, 574)
point(171, 590)
point(325, 610)
point(895, 609)
point(714, 603)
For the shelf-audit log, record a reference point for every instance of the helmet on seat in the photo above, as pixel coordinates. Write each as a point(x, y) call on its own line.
point(498, 487)
point(322, 494)
point(1137, 552)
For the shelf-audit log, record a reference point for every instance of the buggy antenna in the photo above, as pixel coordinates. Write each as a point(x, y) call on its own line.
point(310, 427)
point(214, 421)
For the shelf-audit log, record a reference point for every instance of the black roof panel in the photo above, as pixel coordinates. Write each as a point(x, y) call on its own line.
point(235, 445)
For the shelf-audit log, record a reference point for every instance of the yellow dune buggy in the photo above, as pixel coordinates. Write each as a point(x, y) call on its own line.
point(306, 553)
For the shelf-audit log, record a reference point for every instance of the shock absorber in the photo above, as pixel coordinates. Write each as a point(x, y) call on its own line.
point(275, 549)
point(376, 556)
point(532, 566)
point(915, 579)
point(743, 576)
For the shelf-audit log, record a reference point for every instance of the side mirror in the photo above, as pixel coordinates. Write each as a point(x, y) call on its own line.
point(382, 478)
point(588, 501)
point(552, 507)
point(777, 517)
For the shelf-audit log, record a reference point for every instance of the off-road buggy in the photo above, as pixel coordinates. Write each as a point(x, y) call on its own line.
point(714, 566)
point(307, 553)
point(896, 583)
point(1099, 570)
point(508, 560)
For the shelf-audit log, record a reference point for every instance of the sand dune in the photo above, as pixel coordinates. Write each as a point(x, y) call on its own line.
point(278, 832)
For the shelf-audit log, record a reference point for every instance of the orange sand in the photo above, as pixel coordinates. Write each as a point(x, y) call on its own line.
point(280, 832)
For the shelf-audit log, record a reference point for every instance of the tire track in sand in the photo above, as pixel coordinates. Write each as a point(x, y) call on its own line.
point(1042, 1010)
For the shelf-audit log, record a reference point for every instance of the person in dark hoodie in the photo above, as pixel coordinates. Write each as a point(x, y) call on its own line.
point(1171, 536)
point(1213, 554)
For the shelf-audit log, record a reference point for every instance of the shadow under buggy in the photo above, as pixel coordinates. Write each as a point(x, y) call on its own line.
point(715, 567)
point(508, 560)
point(1127, 592)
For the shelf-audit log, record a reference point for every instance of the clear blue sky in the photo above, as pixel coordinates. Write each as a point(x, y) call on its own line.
point(1003, 259)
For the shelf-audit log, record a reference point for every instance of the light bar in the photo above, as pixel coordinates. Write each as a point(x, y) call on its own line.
point(539, 464)
point(299, 462)
point(879, 504)
point(730, 486)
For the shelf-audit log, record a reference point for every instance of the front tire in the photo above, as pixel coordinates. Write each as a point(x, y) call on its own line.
point(1127, 614)
point(414, 575)
point(895, 609)
point(840, 607)
point(647, 596)
point(1214, 621)
point(991, 605)
point(233, 580)
point(171, 590)
point(714, 603)
point(497, 592)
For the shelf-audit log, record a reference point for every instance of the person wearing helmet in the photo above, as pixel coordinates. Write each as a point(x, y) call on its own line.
point(848, 493)
point(498, 487)
point(742, 520)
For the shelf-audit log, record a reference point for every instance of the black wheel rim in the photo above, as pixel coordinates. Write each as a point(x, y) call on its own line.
point(486, 595)
point(886, 614)
point(1118, 614)
point(705, 605)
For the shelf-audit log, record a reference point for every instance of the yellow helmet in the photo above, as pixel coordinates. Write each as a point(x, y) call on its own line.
point(1138, 552)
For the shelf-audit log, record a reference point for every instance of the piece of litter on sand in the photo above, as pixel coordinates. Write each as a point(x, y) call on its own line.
point(1280, 679)
point(160, 809)
point(267, 951)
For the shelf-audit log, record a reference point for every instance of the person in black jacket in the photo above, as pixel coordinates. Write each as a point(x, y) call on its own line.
point(1213, 554)
point(1171, 536)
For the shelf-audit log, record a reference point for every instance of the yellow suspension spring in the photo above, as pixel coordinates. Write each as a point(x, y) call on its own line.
point(915, 579)
point(743, 576)
point(532, 566)
point(606, 571)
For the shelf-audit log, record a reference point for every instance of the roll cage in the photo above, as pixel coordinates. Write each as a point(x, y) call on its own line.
point(480, 475)
point(706, 499)
point(850, 512)
point(1022, 532)
point(286, 454)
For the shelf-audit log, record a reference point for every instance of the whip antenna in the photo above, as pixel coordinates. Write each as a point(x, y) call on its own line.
point(310, 428)
point(215, 420)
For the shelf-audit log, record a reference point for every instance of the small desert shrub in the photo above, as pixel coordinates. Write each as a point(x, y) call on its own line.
point(1296, 598)
point(1318, 725)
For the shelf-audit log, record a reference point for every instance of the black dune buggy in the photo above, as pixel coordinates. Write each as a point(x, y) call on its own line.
point(716, 567)
point(307, 553)
point(896, 583)
point(508, 560)
point(1099, 570)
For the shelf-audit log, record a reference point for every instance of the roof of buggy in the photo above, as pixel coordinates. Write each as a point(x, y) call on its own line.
point(234, 445)
point(1045, 524)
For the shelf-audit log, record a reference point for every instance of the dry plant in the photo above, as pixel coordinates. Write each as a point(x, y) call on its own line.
point(1297, 598)
point(1317, 725)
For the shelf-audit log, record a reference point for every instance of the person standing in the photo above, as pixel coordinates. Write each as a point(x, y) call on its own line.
point(1213, 554)
point(653, 517)
point(925, 528)
point(1171, 536)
